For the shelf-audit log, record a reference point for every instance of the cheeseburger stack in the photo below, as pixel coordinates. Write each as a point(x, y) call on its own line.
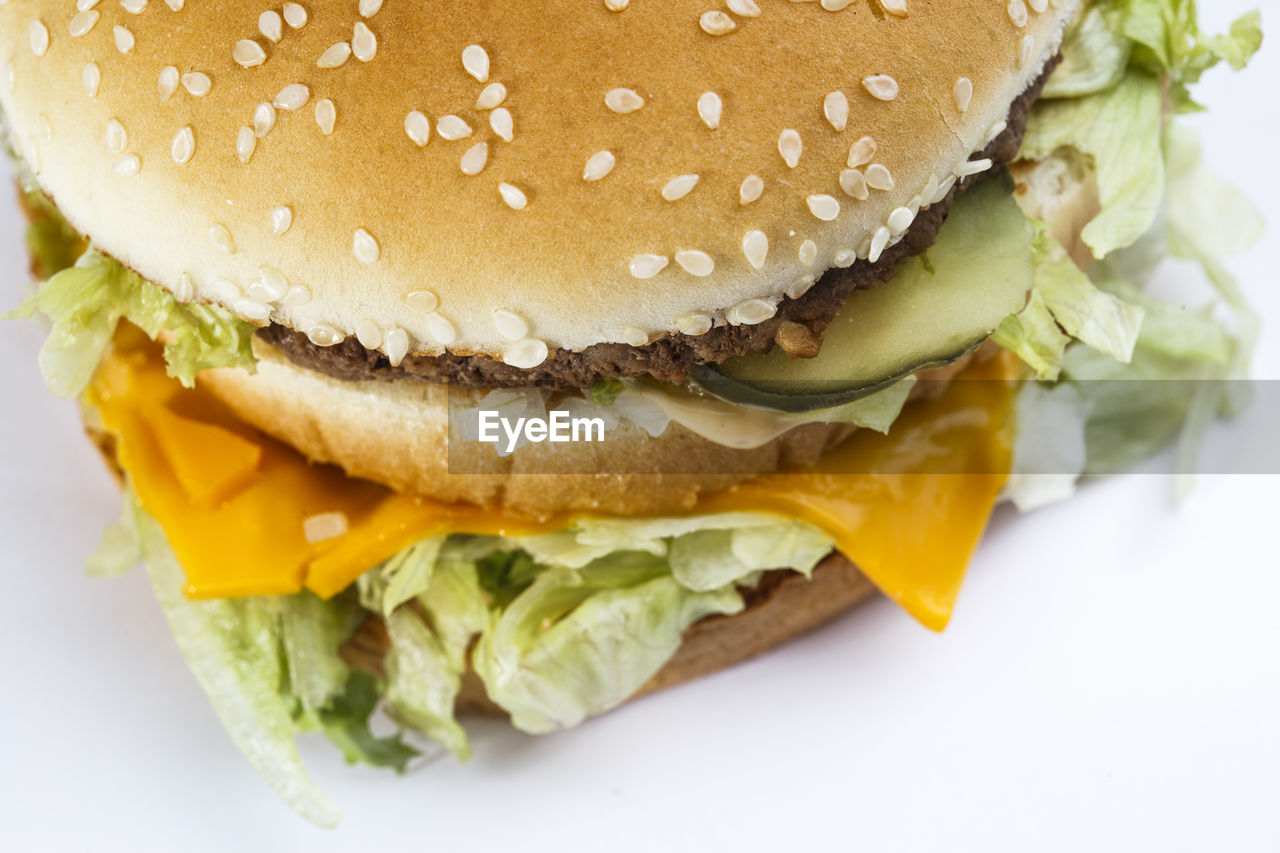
point(339, 232)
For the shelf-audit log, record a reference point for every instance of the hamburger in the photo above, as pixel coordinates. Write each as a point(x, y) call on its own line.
point(297, 261)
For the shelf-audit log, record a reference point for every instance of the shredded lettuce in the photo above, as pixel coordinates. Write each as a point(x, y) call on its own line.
point(85, 302)
point(233, 649)
point(580, 641)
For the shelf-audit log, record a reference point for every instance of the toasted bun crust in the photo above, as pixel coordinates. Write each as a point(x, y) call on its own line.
point(397, 433)
point(155, 176)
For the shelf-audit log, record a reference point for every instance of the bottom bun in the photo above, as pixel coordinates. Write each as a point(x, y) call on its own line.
point(783, 605)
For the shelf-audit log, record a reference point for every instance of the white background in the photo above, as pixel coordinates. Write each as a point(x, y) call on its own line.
point(1111, 680)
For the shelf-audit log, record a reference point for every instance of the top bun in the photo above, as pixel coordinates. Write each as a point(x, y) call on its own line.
point(505, 178)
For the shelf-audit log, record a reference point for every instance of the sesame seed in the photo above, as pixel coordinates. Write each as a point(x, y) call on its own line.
point(513, 196)
point(439, 327)
point(473, 161)
point(693, 324)
point(808, 253)
point(679, 187)
point(365, 247)
point(750, 190)
point(755, 245)
point(944, 189)
point(246, 142)
point(510, 325)
point(270, 286)
point(281, 219)
point(418, 128)
point(598, 166)
point(854, 184)
point(326, 115)
point(127, 165)
point(881, 86)
point(502, 124)
point(368, 334)
point(861, 152)
point(183, 147)
point(292, 97)
point(297, 294)
point(790, 147)
point(248, 309)
point(124, 38)
point(197, 83)
point(227, 291)
point(271, 26)
point(835, 106)
point(710, 108)
point(1018, 13)
point(451, 127)
point(973, 167)
point(369, 8)
point(963, 93)
point(835, 5)
point(823, 206)
point(395, 343)
point(800, 286)
point(716, 23)
point(1026, 49)
point(422, 300)
point(221, 237)
point(117, 139)
point(248, 53)
point(647, 265)
point(185, 290)
point(83, 22)
point(167, 83)
point(475, 61)
point(901, 218)
point(323, 336)
point(175, 5)
point(895, 7)
point(526, 354)
point(635, 337)
point(879, 241)
point(364, 44)
point(745, 8)
point(616, 5)
point(335, 56)
point(85, 5)
point(695, 262)
point(264, 118)
point(879, 177)
point(134, 7)
point(295, 16)
point(995, 130)
point(39, 37)
point(623, 100)
point(1038, 6)
point(92, 78)
point(753, 311)
point(491, 96)
point(844, 258)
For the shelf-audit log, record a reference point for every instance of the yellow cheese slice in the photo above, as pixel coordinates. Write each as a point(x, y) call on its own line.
point(907, 508)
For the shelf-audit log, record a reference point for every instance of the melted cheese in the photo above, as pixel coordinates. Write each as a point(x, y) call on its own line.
point(908, 508)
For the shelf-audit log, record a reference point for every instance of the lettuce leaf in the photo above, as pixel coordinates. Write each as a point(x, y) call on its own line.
point(345, 722)
point(1120, 129)
point(85, 302)
point(1168, 40)
point(233, 648)
point(580, 641)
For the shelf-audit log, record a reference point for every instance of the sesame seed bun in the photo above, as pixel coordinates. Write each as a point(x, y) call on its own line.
point(433, 183)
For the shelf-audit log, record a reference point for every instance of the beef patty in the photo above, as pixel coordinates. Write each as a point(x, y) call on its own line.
point(797, 326)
